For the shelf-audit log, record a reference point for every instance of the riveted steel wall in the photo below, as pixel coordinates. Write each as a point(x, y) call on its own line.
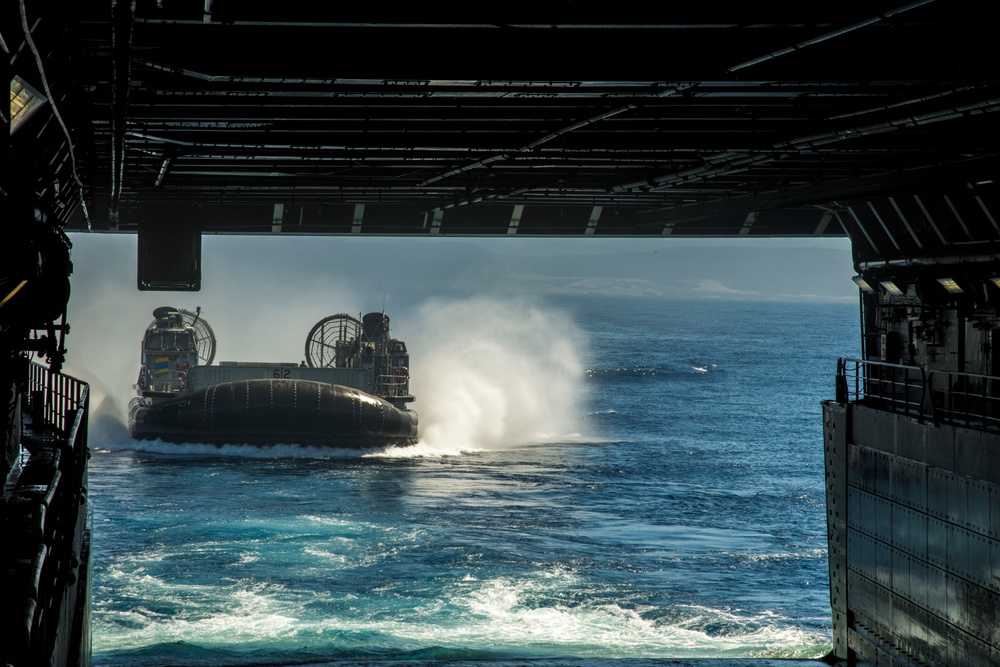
point(835, 456)
point(922, 532)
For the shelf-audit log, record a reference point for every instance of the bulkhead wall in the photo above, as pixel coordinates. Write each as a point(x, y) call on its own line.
point(914, 539)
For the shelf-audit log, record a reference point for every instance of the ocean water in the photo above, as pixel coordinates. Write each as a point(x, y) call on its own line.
point(675, 510)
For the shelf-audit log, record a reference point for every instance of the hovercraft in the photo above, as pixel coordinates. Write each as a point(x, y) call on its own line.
point(351, 391)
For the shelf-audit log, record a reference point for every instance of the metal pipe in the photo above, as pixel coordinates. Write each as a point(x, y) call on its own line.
point(123, 19)
point(673, 90)
point(55, 109)
point(163, 172)
point(948, 260)
point(986, 106)
point(830, 35)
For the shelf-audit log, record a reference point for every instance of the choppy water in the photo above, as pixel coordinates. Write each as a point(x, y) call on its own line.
point(679, 515)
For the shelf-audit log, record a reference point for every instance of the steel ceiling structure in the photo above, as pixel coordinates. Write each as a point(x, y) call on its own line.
point(558, 118)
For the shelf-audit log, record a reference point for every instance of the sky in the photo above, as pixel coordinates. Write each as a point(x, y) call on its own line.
point(263, 294)
point(592, 246)
point(384, 268)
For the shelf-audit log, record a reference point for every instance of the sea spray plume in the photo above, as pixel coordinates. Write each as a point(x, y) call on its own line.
point(107, 416)
point(492, 373)
point(107, 316)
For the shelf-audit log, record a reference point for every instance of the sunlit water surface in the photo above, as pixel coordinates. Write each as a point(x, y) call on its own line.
point(678, 514)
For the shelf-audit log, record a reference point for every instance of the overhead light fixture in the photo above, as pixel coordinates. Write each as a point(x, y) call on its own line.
point(996, 281)
point(865, 285)
point(892, 288)
point(24, 101)
point(950, 285)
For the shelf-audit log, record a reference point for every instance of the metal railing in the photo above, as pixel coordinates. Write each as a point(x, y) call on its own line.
point(169, 381)
point(55, 398)
point(392, 385)
point(948, 397)
point(56, 585)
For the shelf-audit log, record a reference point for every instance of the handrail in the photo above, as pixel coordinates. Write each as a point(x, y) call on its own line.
point(952, 397)
point(392, 385)
point(173, 380)
point(59, 572)
point(61, 396)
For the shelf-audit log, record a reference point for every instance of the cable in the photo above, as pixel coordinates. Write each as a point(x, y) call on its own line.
point(55, 110)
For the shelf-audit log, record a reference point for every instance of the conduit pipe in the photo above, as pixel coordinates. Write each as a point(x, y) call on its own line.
point(673, 90)
point(830, 35)
point(945, 260)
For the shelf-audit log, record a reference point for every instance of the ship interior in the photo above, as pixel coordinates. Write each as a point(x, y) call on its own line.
point(174, 119)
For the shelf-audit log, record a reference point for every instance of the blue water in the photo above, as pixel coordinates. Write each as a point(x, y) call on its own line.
point(678, 514)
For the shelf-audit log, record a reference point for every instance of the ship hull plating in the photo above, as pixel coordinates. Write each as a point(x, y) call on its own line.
point(278, 411)
point(914, 539)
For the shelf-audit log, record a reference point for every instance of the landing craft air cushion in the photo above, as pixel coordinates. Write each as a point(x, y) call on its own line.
point(351, 391)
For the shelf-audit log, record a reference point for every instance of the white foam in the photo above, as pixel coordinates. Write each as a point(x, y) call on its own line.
point(528, 613)
point(538, 613)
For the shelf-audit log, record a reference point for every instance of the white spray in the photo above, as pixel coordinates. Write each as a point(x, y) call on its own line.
point(494, 373)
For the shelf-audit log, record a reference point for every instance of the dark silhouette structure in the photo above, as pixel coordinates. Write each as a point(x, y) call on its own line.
point(170, 119)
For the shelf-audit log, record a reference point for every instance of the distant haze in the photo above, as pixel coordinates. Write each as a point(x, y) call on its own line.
point(411, 268)
point(732, 272)
point(352, 274)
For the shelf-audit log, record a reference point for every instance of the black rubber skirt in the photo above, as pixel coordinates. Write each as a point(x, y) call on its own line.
point(262, 412)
